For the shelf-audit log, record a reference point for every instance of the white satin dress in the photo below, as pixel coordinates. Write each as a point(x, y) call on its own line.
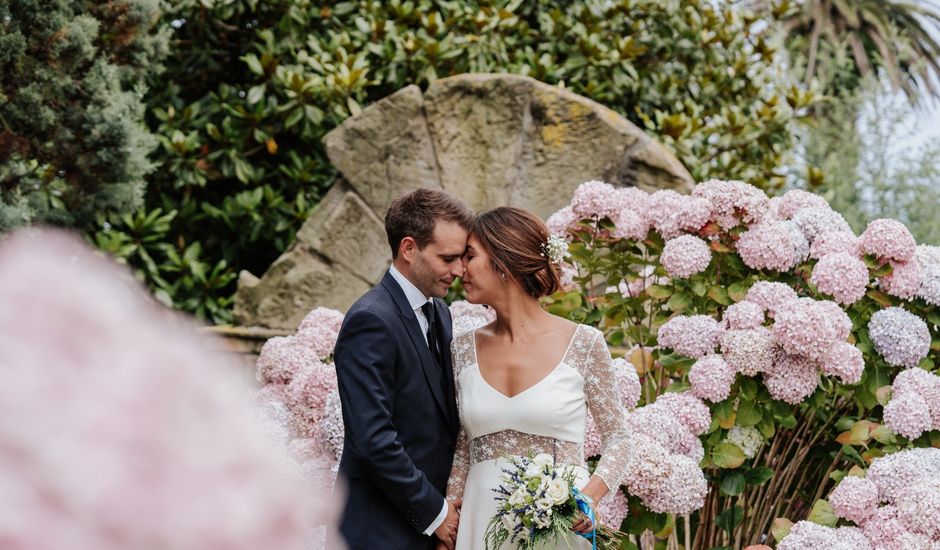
point(548, 417)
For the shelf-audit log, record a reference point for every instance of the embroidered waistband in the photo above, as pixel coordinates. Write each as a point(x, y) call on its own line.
point(513, 443)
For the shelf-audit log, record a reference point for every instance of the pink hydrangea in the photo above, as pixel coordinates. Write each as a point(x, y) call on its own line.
point(631, 225)
point(561, 222)
point(929, 289)
point(661, 425)
point(924, 384)
point(331, 431)
point(593, 445)
point(307, 394)
point(646, 467)
point(792, 379)
point(901, 337)
point(904, 281)
point(733, 202)
point(840, 320)
point(842, 276)
point(696, 212)
point(567, 274)
point(800, 244)
point(682, 491)
point(711, 378)
point(688, 409)
point(613, 509)
point(743, 315)
point(831, 242)
point(749, 351)
point(467, 316)
point(805, 327)
point(322, 317)
point(665, 212)
point(795, 200)
point(627, 382)
point(888, 239)
point(927, 254)
point(281, 358)
point(593, 199)
point(630, 198)
point(907, 414)
point(919, 510)
point(768, 245)
point(883, 528)
point(129, 433)
point(770, 295)
point(854, 498)
point(685, 256)
point(805, 535)
point(319, 331)
point(844, 361)
point(818, 220)
point(692, 336)
point(895, 473)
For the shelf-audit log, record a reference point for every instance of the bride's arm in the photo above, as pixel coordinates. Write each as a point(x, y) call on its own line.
point(608, 412)
point(461, 465)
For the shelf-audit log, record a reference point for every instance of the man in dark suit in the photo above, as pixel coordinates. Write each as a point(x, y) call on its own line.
point(396, 383)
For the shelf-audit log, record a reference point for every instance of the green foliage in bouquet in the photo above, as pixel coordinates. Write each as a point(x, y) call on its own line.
point(775, 445)
point(73, 144)
point(251, 88)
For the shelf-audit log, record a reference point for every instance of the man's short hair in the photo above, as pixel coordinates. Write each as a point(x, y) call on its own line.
point(414, 215)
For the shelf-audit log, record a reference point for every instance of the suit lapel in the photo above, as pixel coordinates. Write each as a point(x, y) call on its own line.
point(445, 329)
point(432, 372)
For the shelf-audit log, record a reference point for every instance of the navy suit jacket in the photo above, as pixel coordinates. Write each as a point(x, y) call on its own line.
point(400, 416)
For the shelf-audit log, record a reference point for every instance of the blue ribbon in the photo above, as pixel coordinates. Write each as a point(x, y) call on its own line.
point(584, 504)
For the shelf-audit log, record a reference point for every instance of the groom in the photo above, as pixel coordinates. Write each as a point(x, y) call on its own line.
point(396, 383)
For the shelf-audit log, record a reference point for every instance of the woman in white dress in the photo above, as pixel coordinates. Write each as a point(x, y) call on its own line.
point(526, 381)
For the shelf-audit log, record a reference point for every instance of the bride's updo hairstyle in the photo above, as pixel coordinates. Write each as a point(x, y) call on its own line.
point(515, 240)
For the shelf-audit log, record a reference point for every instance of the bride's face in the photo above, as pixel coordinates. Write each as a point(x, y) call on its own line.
point(480, 280)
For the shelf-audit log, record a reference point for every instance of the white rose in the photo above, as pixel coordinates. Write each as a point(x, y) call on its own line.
point(543, 459)
point(534, 470)
point(509, 521)
point(557, 490)
point(518, 496)
point(544, 505)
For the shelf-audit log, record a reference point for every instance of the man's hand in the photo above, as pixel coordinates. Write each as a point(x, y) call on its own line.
point(447, 531)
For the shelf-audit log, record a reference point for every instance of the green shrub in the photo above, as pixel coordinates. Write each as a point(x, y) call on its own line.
point(251, 88)
point(73, 145)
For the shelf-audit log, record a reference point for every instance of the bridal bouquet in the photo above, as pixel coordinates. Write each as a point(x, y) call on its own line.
point(537, 504)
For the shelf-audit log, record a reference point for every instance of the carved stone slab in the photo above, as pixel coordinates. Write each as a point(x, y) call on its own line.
point(490, 139)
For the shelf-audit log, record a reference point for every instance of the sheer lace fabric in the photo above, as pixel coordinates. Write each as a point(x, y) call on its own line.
point(548, 417)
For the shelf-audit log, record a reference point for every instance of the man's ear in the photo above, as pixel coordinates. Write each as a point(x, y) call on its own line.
point(408, 249)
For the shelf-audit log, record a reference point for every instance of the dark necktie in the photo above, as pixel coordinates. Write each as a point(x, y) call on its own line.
point(428, 310)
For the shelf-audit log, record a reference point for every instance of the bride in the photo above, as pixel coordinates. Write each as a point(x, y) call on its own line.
point(526, 381)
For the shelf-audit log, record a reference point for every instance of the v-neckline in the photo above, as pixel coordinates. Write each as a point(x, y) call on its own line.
point(476, 362)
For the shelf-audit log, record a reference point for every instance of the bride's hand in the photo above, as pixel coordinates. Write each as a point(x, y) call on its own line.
point(440, 546)
point(583, 525)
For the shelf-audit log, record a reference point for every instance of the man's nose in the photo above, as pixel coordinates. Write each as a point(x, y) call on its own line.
point(458, 269)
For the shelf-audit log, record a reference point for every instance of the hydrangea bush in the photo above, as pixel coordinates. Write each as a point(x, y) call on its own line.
point(763, 351)
point(790, 327)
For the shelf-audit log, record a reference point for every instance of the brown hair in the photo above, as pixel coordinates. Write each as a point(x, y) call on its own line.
point(514, 239)
point(414, 215)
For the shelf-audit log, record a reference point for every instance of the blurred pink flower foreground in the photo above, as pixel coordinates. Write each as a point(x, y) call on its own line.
point(121, 430)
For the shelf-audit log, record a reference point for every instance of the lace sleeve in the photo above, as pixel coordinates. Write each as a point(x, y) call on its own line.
point(604, 404)
point(462, 352)
point(458, 472)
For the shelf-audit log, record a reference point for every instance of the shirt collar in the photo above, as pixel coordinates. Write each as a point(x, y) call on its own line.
point(415, 297)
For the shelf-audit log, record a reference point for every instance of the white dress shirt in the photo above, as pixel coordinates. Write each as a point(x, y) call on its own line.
point(416, 299)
